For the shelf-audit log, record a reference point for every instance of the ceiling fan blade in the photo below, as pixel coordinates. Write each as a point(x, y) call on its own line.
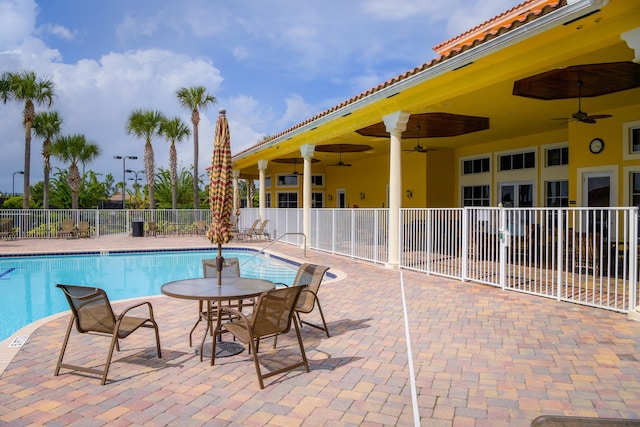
point(599, 116)
point(588, 120)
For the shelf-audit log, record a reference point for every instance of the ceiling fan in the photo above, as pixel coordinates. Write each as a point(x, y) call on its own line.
point(419, 148)
point(295, 169)
point(580, 115)
point(340, 162)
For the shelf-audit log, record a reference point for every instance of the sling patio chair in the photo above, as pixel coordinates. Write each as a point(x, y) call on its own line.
point(247, 233)
point(230, 268)
point(92, 312)
point(67, 229)
point(6, 229)
point(272, 316)
point(83, 230)
point(261, 232)
point(308, 278)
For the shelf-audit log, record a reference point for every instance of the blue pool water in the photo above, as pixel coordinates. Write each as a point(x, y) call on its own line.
point(28, 292)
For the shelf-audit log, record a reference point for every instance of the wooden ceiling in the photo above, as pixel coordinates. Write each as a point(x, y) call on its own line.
point(596, 79)
point(432, 125)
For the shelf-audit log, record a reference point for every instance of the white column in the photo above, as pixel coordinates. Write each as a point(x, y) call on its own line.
point(306, 151)
point(262, 167)
point(396, 123)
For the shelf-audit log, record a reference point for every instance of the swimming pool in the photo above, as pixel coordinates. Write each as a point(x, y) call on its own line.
point(27, 284)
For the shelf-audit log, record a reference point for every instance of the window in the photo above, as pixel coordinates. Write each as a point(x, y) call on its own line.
point(288, 200)
point(557, 195)
point(477, 195)
point(558, 156)
point(287, 180)
point(634, 134)
point(317, 200)
point(635, 189)
point(516, 195)
point(475, 166)
point(267, 182)
point(517, 161)
point(317, 180)
point(267, 200)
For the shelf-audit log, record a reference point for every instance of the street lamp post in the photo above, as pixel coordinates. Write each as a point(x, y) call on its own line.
point(136, 173)
point(124, 178)
point(13, 188)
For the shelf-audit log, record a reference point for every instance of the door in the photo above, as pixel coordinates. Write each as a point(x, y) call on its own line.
point(342, 198)
point(596, 189)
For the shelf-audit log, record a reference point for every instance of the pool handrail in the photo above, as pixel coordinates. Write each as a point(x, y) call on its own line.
point(261, 251)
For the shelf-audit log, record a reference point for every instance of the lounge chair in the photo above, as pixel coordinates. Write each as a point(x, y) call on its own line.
point(230, 268)
point(6, 229)
point(92, 312)
point(309, 277)
point(261, 232)
point(201, 228)
point(272, 315)
point(67, 229)
point(247, 233)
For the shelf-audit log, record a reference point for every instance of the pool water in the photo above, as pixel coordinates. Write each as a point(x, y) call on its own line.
point(27, 284)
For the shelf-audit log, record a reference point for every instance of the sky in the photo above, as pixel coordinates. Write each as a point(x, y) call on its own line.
point(271, 64)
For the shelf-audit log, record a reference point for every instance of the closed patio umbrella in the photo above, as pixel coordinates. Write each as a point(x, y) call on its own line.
point(221, 190)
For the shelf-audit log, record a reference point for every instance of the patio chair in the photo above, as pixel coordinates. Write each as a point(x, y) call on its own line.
point(230, 268)
point(83, 230)
point(308, 278)
point(67, 229)
point(92, 312)
point(201, 228)
point(242, 234)
point(153, 229)
point(261, 232)
point(272, 315)
point(6, 229)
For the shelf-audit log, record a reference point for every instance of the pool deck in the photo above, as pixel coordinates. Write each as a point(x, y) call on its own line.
point(481, 357)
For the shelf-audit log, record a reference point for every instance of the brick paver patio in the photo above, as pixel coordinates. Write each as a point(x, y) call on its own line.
point(481, 357)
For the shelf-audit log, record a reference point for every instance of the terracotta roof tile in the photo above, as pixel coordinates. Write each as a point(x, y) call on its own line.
point(501, 24)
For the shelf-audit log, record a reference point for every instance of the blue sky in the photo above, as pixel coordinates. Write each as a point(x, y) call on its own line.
point(270, 64)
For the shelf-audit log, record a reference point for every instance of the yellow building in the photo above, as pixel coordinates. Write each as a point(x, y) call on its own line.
point(539, 106)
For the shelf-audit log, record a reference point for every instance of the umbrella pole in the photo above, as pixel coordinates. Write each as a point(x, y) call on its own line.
point(219, 264)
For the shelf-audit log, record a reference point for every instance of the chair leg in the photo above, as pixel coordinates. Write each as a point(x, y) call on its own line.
point(302, 352)
point(253, 347)
point(114, 343)
point(324, 323)
point(64, 345)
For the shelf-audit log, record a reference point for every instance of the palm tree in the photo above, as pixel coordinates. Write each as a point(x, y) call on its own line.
point(47, 125)
point(74, 149)
point(195, 98)
point(26, 86)
point(174, 130)
point(146, 124)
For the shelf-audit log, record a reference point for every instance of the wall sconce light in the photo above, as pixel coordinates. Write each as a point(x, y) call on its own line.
point(409, 194)
point(362, 196)
point(329, 197)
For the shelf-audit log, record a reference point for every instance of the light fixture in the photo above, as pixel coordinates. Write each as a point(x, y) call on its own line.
point(409, 194)
point(124, 177)
point(329, 197)
point(362, 196)
point(13, 189)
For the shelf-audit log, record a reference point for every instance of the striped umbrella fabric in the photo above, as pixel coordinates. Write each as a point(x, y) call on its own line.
point(221, 185)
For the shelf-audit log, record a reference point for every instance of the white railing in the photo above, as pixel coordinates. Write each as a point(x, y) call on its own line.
point(583, 255)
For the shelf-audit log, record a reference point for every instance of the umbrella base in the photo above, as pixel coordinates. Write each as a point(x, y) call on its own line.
point(223, 349)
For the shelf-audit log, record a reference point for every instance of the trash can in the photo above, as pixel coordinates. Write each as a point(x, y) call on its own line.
point(137, 229)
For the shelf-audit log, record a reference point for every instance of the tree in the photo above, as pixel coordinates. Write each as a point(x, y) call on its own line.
point(75, 149)
point(195, 98)
point(145, 124)
point(164, 189)
point(175, 131)
point(47, 125)
point(26, 86)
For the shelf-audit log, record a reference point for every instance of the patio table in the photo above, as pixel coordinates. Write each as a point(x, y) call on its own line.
point(207, 289)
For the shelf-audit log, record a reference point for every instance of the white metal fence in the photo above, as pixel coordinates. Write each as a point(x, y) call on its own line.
point(582, 255)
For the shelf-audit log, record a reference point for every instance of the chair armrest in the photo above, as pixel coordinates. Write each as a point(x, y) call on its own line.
point(128, 309)
point(235, 313)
